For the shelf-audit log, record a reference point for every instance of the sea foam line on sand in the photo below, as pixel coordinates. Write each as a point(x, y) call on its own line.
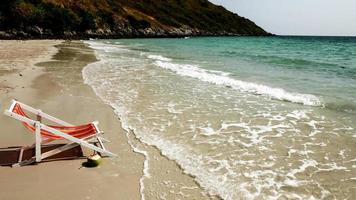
point(127, 129)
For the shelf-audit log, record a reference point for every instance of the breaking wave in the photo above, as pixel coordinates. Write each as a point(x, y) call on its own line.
point(194, 71)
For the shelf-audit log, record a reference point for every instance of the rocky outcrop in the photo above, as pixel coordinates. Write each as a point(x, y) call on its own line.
point(66, 19)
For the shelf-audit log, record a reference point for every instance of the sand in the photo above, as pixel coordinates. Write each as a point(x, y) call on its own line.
point(47, 75)
point(20, 78)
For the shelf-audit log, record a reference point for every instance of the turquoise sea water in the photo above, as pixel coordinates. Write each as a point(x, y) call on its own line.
point(323, 66)
point(249, 117)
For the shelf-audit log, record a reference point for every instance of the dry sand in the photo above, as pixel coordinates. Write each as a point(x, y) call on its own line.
point(47, 75)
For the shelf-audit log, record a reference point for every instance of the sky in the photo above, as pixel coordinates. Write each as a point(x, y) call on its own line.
point(298, 17)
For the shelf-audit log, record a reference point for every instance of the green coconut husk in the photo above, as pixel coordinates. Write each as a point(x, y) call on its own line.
point(93, 161)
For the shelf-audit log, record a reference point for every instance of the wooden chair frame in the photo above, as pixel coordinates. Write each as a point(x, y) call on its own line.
point(39, 139)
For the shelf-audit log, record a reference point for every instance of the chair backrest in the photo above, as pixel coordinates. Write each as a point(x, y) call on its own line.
point(80, 131)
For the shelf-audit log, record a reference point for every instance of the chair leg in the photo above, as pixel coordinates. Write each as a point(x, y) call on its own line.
point(45, 155)
point(25, 162)
point(100, 142)
point(38, 142)
point(21, 162)
point(21, 154)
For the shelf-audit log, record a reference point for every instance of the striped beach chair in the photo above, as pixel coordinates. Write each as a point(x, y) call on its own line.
point(84, 135)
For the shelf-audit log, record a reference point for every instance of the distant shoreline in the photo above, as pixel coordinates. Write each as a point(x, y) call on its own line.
point(25, 36)
point(88, 37)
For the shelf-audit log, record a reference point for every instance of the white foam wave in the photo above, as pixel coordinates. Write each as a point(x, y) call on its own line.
point(243, 86)
point(158, 57)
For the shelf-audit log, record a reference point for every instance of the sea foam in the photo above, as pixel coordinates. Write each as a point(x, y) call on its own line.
point(194, 71)
point(158, 57)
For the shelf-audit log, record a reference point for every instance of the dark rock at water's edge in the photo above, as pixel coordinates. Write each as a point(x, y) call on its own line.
point(108, 34)
point(66, 19)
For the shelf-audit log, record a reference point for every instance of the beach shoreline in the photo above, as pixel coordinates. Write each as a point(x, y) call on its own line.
point(238, 141)
point(47, 74)
point(169, 143)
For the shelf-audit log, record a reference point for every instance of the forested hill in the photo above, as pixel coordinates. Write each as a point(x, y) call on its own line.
point(119, 18)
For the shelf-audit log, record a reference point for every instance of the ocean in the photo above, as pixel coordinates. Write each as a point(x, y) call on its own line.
point(247, 117)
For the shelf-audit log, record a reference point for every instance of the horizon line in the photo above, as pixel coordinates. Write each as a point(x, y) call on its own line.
point(309, 35)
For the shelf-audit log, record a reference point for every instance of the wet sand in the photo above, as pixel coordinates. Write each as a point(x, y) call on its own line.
point(47, 75)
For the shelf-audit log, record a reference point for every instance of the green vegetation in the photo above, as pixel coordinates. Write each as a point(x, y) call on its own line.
point(120, 18)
